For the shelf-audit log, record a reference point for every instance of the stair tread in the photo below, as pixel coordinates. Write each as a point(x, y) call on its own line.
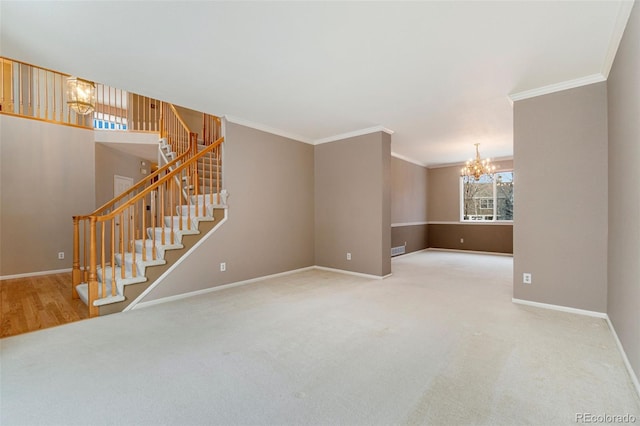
point(208, 169)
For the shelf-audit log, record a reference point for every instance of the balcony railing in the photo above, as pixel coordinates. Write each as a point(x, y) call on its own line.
point(38, 93)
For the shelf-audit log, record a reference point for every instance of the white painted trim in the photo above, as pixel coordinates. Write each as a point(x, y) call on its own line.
point(265, 128)
point(624, 11)
point(178, 262)
point(34, 274)
point(397, 225)
point(407, 159)
point(493, 253)
point(357, 274)
point(470, 222)
point(138, 305)
point(625, 359)
point(557, 87)
point(355, 133)
point(285, 134)
point(560, 308)
point(461, 203)
point(217, 288)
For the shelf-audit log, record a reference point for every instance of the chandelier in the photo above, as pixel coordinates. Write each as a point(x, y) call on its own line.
point(81, 95)
point(474, 169)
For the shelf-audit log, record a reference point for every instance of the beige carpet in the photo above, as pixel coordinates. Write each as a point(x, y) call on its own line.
point(440, 342)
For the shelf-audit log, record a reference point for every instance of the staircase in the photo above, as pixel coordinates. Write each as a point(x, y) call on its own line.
point(122, 248)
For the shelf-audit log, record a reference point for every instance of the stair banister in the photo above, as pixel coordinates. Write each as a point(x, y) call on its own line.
point(160, 181)
point(168, 183)
point(166, 188)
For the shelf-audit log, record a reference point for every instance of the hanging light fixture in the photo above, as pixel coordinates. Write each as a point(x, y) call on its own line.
point(81, 95)
point(474, 169)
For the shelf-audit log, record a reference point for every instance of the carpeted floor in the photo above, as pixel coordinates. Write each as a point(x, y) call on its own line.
point(438, 343)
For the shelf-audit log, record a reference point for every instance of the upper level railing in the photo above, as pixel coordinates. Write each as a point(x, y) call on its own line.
point(35, 92)
point(39, 93)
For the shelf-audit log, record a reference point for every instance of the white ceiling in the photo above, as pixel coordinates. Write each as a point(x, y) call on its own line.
point(438, 74)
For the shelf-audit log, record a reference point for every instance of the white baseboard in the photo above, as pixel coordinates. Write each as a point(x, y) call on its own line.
point(218, 288)
point(494, 253)
point(560, 308)
point(357, 274)
point(166, 273)
point(625, 359)
point(245, 282)
point(34, 274)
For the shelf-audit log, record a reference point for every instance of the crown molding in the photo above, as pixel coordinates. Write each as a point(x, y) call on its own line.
point(285, 134)
point(265, 128)
point(407, 159)
point(355, 133)
point(624, 11)
point(557, 87)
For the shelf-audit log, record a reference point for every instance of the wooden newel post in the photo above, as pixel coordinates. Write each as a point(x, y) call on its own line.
point(76, 273)
point(94, 311)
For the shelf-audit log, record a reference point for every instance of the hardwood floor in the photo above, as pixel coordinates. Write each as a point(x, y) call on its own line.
point(34, 303)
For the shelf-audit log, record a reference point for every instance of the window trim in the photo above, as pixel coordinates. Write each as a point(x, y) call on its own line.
point(495, 203)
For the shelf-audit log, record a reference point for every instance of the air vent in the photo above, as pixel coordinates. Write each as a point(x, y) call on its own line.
point(397, 250)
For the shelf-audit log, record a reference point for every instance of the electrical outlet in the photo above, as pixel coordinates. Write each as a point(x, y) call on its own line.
point(60, 255)
point(348, 256)
point(461, 240)
point(526, 278)
point(223, 267)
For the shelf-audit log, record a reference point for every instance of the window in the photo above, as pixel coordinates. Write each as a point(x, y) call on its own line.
point(486, 203)
point(487, 199)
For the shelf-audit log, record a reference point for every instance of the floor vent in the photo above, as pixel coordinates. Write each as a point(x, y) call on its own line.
point(397, 250)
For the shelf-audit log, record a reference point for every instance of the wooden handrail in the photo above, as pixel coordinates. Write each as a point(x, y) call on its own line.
point(175, 111)
point(38, 93)
point(147, 212)
point(149, 178)
point(134, 188)
point(159, 182)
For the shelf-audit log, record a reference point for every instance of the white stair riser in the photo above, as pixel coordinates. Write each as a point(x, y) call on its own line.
point(187, 222)
point(202, 210)
point(206, 199)
point(207, 169)
point(128, 263)
point(177, 238)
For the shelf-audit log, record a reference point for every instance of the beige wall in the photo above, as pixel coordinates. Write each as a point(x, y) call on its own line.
point(110, 162)
point(444, 191)
point(193, 119)
point(46, 177)
point(408, 192)
point(560, 228)
point(271, 211)
point(408, 205)
point(412, 237)
point(623, 88)
point(444, 206)
point(352, 204)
